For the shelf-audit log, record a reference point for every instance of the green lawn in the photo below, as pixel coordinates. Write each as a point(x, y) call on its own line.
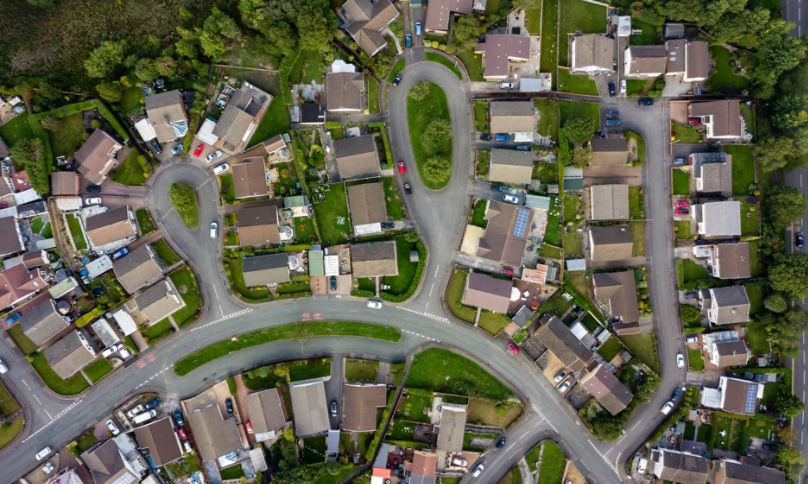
point(435, 57)
point(392, 199)
point(578, 15)
point(165, 253)
point(533, 19)
point(308, 369)
point(750, 213)
point(640, 146)
point(131, 99)
point(650, 33)
point(755, 259)
point(284, 332)
point(548, 117)
point(685, 134)
point(250, 294)
point(681, 182)
point(76, 232)
point(226, 189)
point(185, 281)
point(399, 66)
point(610, 348)
point(26, 345)
point(183, 198)
point(570, 109)
point(635, 203)
point(473, 63)
point(696, 360)
point(549, 37)
point(373, 95)
point(307, 68)
point(304, 229)
point(275, 121)
point(232, 472)
point(10, 432)
point(722, 79)
point(552, 463)
point(68, 135)
point(682, 229)
point(361, 370)
point(489, 321)
point(332, 211)
point(572, 246)
point(73, 385)
point(756, 292)
point(157, 330)
point(638, 238)
point(419, 115)
point(743, 168)
point(692, 271)
point(481, 115)
point(643, 346)
point(478, 213)
point(576, 83)
point(443, 371)
point(144, 221)
point(130, 171)
point(7, 403)
point(15, 130)
point(406, 269)
point(97, 369)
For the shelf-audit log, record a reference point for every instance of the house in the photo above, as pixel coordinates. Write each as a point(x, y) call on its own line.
point(161, 440)
point(645, 61)
point(733, 395)
point(166, 112)
point(217, 438)
point(729, 471)
point(64, 183)
point(729, 353)
point(498, 51)
point(105, 333)
point(718, 219)
point(366, 20)
point(360, 405)
point(675, 466)
point(506, 233)
point(722, 119)
point(309, 408)
point(42, 322)
point(276, 146)
point(608, 202)
point(137, 269)
point(3, 146)
point(266, 270)
point(424, 467)
point(728, 261)
point(610, 393)
point(18, 284)
point(609, 151)
point(367, 207)
point(97, 156)
point(37, 258)
point(356, 156)
point(439, 12)
point(592, 54)
point(69, 355)
point(511, 166)
point(512, 117)
point(616, 294)
point(712, 172)
point(10, 238)
point(240, 118)
point(452, 427)
point(159, 301)
point(267, 415)
point(486, 292)
point(257, 225)
point(107, 464)
point(345, 92)
point(560, 341)
point(725, 305)
point(250, 178)
point(110, 228)
point(697, 62)
point(610, 243)
point(374, 259)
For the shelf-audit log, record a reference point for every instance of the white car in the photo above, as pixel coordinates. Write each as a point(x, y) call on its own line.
point(213, 156)
point(113, 429)
point(374, 304)
point(213, 227)
point(623, 86)
point(92, 201)
point(221, 169)
point(666, 409)
point(43, 453)
point(564, 387)
point(3, 367)
point(511, 199)
point(478, 469)
point(680, 360)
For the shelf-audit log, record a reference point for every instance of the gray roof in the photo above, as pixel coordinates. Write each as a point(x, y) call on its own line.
point(265, 410)
point(257, 224)
point(68, 355)
point(239, 113)
point(486, 292)
point(374, 259)
point(309, 408)
point(719, 219)
point(607, 389)
point(732, 261)
point(345, 91)
point(42, 322)
point(360, 406)
point(616, 292)
point(137, 268)
point(725, 116)
point(366, 203)
point(713, 177)
point(452, 427)
point(732, 304)
point(109, 226)
point(159, 301)
point(612, 242)
point(512, 116)
point(681, 467)
point(647, 60)
point(106, 464)
point(734, 472)
point(592, 52)
point(511, 166)
point(565, 346)
point(164, 109)
point(609, 202)
point(265, 270)
point(609, 151)
point(356, 156)
point(10, 241)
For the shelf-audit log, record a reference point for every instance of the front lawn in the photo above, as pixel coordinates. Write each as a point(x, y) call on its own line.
point(9, 432)
point(97, 369)
point(478, 213)
point(406, 269)
point(275, 121)
point(165, 253)
point(743, 168)
point(361, 370)
point(638, 238)
point(420, 113)
point(640, 146)
point(643, 346)
point(685, 134)
point(577, 15)
point(392, 199)
point(76, 232)
point(681, 182)
point(489, 321)
point(473, 63)
point(490, 412)
point(133, 171)
point(399, 66)
point(682, 229)
point(332, 215)
point(185, 282)
point(553, 462)
point(435, 57)
point(17, 129)
point(373, 95)
point(26, 345)
point(696, 360)
point(481, 115)
point(157, 330)
point(144, 221)
point(443, 371)
point(483, 163)
point(549, 37)
point(722, 79)
point(73, 385)
point(226, 188)
point(756, 292)
point(236, 277)
point(183, 198)
point(7, 403)
point(635, 203)
point(577, 84)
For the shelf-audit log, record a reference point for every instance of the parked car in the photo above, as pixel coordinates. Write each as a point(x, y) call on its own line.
point(397, 79)
point(182, 434)
point(682, 212)
point(14, 317)
point(498, 188)
point(478, 469)
point(333, 408)
point(501, 442)
point(178, 419)
point(43, 453)
point(612, 89)
point(401, 168)
point(407, 189)
point(228, 405)
point(682, 204)
point(92, 201)
point(153, 404)
point(502, 137)
point(694, 121)
point(213, 227)
point(407, 40)
point(156, 147)
point(248, 427)
point(680, 360)
point(666, 409)
point(613, 122)
point(418, 27)
point(614, 64)
point(388, 225)
point(692, 339)
point(3, 367)
point(611, 113)
point(623, 86)
point(221, 169)
point(459, 461)
point(332, 283)
point(799, 239)
point(213, 156)
point(514, 349)
point(559, 376)
point(564, 387)
point(93, 189)
point(485, 136)
point(120, 253)
point(113, 429)
point(374, 304)
point(507, 271)
point(135, 410)
point(645, 101)
point(198, 150)
point(176, 149)
point(523, 147)
point(506, 85)
point(144, 417)
point(511, 199)
point(678, 161)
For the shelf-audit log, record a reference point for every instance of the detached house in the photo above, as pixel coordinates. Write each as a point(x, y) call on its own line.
point(240, 118)
point(729, 471)
point(712, 172)
point(365, 20)
point(486, 292)
point(610, 151)
point(267, 415)
point(560, 341)
point(674, 466)
point(722, 119)
point(161, 440)
point(137, 269)
point(374, 259)
point(610, 393)
point(691, 60)
point(645, 61)
point(10, 237)
point(98, 156)
point(42, 322)
point(357, 157)
point(345, 92)
point(108, 465)
point(729, 353)
point(726, 261)
point(718, 219)
point(733, 395)
point(725, 305)
point(610, 243)
point(18, 284)
point(257, 225)
point(309, 408)
point(69, 355)
point(250, 178)
point(360, 405)
point(505, 235)
point(616, 294)
point(159, 301)
point(266, 270)
point(217, 437)
point(592, 54)
point(166, 112)
point(608, 202)
point(499, 50)
point(110, 230)
point(367, 208)
point(439, 12)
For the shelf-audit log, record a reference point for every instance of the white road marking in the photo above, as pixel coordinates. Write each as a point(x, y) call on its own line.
point(223, 318)
point(53, 419)
point(420, 335)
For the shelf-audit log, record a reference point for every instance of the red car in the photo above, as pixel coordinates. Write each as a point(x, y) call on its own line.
point(401, 168)
point(182, 434)
point(682, 204)
point(198, 150)
point(514, 349)
point(506, 271)
point(248, 427)
point(681, 212)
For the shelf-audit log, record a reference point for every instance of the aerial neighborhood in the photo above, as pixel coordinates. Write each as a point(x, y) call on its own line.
point(384, 241)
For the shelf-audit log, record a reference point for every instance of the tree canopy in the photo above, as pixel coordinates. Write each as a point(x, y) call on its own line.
point(106, 59)
point(788, 404)
point(789, 274)
point(579, 129)
point(785, 205)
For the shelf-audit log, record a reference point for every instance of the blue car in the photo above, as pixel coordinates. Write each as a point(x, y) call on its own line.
point(120, 253)
point(502, 137)
point(407, 40)
point(178, 418)
point(14, 317)
point(152, 404)
point(613, 122)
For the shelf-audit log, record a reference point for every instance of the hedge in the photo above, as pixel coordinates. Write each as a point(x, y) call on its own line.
point(416, 278)
point(335, 125)
point(362, 293)
point(283, 70)
point(382, 131)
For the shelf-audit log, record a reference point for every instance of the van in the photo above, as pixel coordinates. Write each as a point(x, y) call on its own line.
point(144, 417)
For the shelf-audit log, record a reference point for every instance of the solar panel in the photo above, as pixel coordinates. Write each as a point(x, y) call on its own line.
point(521, 223)
point(751, 396)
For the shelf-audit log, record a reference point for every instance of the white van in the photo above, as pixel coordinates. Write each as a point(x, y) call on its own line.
point(144, 417)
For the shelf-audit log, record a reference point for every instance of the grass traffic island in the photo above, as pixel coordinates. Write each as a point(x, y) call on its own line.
point(553, 462)
point(430, 134)
point(284, 332)
point(183, 197)
point(441, 370)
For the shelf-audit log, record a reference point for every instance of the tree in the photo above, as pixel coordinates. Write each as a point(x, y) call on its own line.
point(188, 43)
point(217, 29)
point(437, 168)
point(608, 427)
point(165, 66)
point(788, 404)
point(789, 274)
point(106, 59)
point(466, 30)
point(315, 23)
point(437, 137)
point(40, 3)
point(581, 157)
point(773, 153)
point(777, 52)
point(691, 315)
point(411, 237)
point(146, 70)
point(419, 90)
point(26, 151)
point(110, 91)
point(775, 303)
point(791, 459)
point(786, 330)
point(579, 129)
point(257, 14)
point(788, 111)
point(281, 38)
point(316, 156)
point(785, 205)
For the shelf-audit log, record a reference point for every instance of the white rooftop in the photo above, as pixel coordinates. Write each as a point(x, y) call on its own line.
point(98, 266)
point(125, 322)
point(205, 133)
point(711, 397)
point(720, 219)
point(145, 129)
point(340, 65)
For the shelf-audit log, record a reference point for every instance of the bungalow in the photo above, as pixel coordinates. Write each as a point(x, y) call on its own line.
point(217, 438)
point(559, 340)
point(439, 12)
point(357, 157)
point(360, 406)
point(42, 322)
point(718, 219)
point(161, 440)
point(137, 269)
point(159, 301)
point(729, 353)
point(608, 202)
point(697, 62)
point(108, 465)
point(725, 305)
point(592, 54)
point(18, 284)
point(610, 393)
point(511, 166)
point(266, 270)
point(645, 61)
point(486, 292)
point(267, 416)
point(374, 259)
point(309, 408)
point(610, 151)
point(98, 156)
point(366, 20)
point(516, 117)
point(722, 119)
point(506, 233)
point(674, 466)
point(240, 118)
point(250, 178)
point(610, 243)
point(367, 208)
point(69, 355)
point(166, 112)
point(110, 230)
point(451, 428)
point(345, 92)
point(64, 183)
point(712, 172)
point(616, 294)
point(729, 471)
point(257, 225)
point(499, 50)
point(10, 239)
point(733, 395)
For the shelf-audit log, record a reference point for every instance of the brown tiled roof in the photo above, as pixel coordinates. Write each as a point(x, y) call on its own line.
point(106, 463)
point(698, 59)
point(356, 156)
point(500, 243)
point(163, 109)
point(616, 292)
point(137, 268)
point(424, 464)
point(511, 166)
point(68, 355)
point(274, 144)
point(499, 49)
point(258, 224)
point(608, 202)
point(345, 91)
point(733, 472)
point(64, 183)
point(161, 440)
point(16, 284)
point(736, 395)
point(250, 178)
point(374, 259)
point(96, 157)
point(612, 242)
point(607, 389)
point(360, 405)
point(592, 52)
point(609, 151)
point(512, 117)
point(486, 292)
point(366, 203)
point(439, 12)
point(647, 59)
point(265, 410)
point(42, 322)
point(110, 226)
point(683, 468)
point(564, 345)
point(726, 115)
point(452, 427)
point(10, 241)
point(733, 260)
point(35, 259)
point(366, 19)
point(676, 56)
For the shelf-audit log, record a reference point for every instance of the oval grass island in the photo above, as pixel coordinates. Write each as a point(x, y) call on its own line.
point(430, 133)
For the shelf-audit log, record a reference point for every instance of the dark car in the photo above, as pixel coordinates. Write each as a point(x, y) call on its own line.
point(645, 101)
point(501, 442)
point(485, 136)
point(397, 79)
point(152, 404)
point(178, 418)
point(407, 40)
point(498, 188)
point(691, 295)
point(156, 146)
point(177, 149)
point(611, 113)
point(93, 189)
point(97, 291)
point(332, 282)
point(333, 408)
point(614, 65)
point(799, 239)
point(523, 147)
point(407, 189)
point(388, 225)
point(228, 405)
point(612, 89)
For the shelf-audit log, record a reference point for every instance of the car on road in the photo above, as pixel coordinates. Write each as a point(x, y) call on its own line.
point(485, 136)
point(564, 387)
point(501, 442)
point(407, 40)
point(417, 27)
point(678, 161)
point(176, 149)
point(511, 199)
point(407, 189)
point(178, 419)
point(374, 304)
point(401, 168)
point(198, 150)
point(514, 349)
point(478, 469)
point(611, 113)
point(213, 227)
point(120, 253)
point(228, 405)
point(506, 271)
point(799, 239)
point(506, 85)
point(113, 429)
point(248, 427)
point(221, 169)
point(397, 79)
point(682, 204)
point(332, 283)
point(614, 64)
point(613, 122)
point(333, 408)
point(666, 409)
point(213, 156)
point(92, 201)
point(502, 137)
point(3, 367)
point(559, 376)
point(682, 212)
point(623, 87)
point(47, 468)
point(182, 434)
point(93, 189)
point(43, 453)
point(645, 101)
point(612, 89)
point(680, 360)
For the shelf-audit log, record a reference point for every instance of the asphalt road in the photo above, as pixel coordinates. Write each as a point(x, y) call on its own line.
point(792, 11)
